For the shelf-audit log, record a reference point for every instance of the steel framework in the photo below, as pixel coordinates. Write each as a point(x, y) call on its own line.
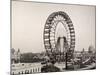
point(50, 29)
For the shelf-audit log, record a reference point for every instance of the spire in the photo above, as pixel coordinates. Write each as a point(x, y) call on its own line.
point(18, 50)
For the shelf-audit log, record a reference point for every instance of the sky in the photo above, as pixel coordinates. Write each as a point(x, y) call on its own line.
point(28, 20)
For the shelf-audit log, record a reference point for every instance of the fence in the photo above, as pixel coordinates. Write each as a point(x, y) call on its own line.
point(27, 71)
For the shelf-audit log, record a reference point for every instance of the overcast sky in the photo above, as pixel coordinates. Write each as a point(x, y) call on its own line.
point(28, 20)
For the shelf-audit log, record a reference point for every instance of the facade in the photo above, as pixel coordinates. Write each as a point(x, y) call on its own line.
point(15, 56)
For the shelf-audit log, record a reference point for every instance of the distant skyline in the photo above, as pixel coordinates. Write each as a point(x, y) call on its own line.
point(28, 20)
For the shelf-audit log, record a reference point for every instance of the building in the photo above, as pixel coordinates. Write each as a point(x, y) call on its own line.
point(15, 56)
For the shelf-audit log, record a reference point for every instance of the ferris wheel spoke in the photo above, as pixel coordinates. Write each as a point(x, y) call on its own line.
point(57, 17)
point(65, 25)
point(61, 17)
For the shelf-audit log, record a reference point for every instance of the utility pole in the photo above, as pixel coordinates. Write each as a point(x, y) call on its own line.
point(66, 52)
point(66, 66)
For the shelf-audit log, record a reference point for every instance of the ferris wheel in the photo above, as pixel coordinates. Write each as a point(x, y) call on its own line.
point(50, 31)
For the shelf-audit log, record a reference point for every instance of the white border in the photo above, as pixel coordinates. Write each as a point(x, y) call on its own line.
point(5, 36)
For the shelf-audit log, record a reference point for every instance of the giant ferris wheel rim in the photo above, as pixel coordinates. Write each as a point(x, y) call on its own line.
point(48, 27)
